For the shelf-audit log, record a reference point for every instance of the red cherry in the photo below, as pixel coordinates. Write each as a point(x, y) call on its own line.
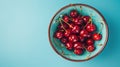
point(82, 39)
point(66, 18)
point(86, 19)
point(91, 27)
point(78, 20)
point(73, 38)
point(64, 40)
point(58, 34)
point(78, 45)
point(63, 25)
point(90, 48)
point(73, 13)
point(67, 32)
point(89, 35)
point(97, 36)
point(78, 51)
point(90, 41)
point(69, 45)
point(76, 29)
point(83, 33)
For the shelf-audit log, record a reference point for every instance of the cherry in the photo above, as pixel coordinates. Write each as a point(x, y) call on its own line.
point(78, 45)
point(64, 40)
point(86, 18)
point(78, 20)
point(89, 35)
point(73, 13)
point(97, 36)
point(90, 41)
point(78, 51)
point(65, 18)
point(69, 24)
point(67, 32)
point(83, 33)
point(91, 27)
point(58, 34)
point(62, 26)
point(73, 38)
point(76, 29)
point(82, 39)
point(90, 48)
point(69, 45)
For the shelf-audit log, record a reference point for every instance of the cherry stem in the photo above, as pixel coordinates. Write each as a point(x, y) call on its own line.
point(90, 21)
point(101, 28)
point(70, 19)
point(91, 18)
point(66, 23)
point(80, 8)
point(62, 24)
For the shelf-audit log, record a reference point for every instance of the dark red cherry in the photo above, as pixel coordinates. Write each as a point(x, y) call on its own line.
point(66, 18)
point(69, 45)
point(86, 19)
point(67, 32)
point(78, 20)
point(78, 51)
point(76, 29)
point(83, 33)
point(90, 48)
point(89, 35)
point(73, 38)
point(78, 45)
point(97, 36)
point(90, 41)
point(58, 34)
point(91, 27)
point(82, 39)
point(74, 13)
point(63, 25)
point(64, 40)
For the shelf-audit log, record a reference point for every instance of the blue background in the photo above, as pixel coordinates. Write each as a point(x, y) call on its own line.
point(24, 33)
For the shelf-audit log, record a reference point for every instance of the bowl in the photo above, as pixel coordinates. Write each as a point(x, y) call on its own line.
point(97, 19)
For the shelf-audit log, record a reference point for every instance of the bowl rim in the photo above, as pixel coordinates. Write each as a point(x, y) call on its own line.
point(106, 25)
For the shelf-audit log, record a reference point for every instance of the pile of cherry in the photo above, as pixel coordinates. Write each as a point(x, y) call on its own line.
point(77, 32)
